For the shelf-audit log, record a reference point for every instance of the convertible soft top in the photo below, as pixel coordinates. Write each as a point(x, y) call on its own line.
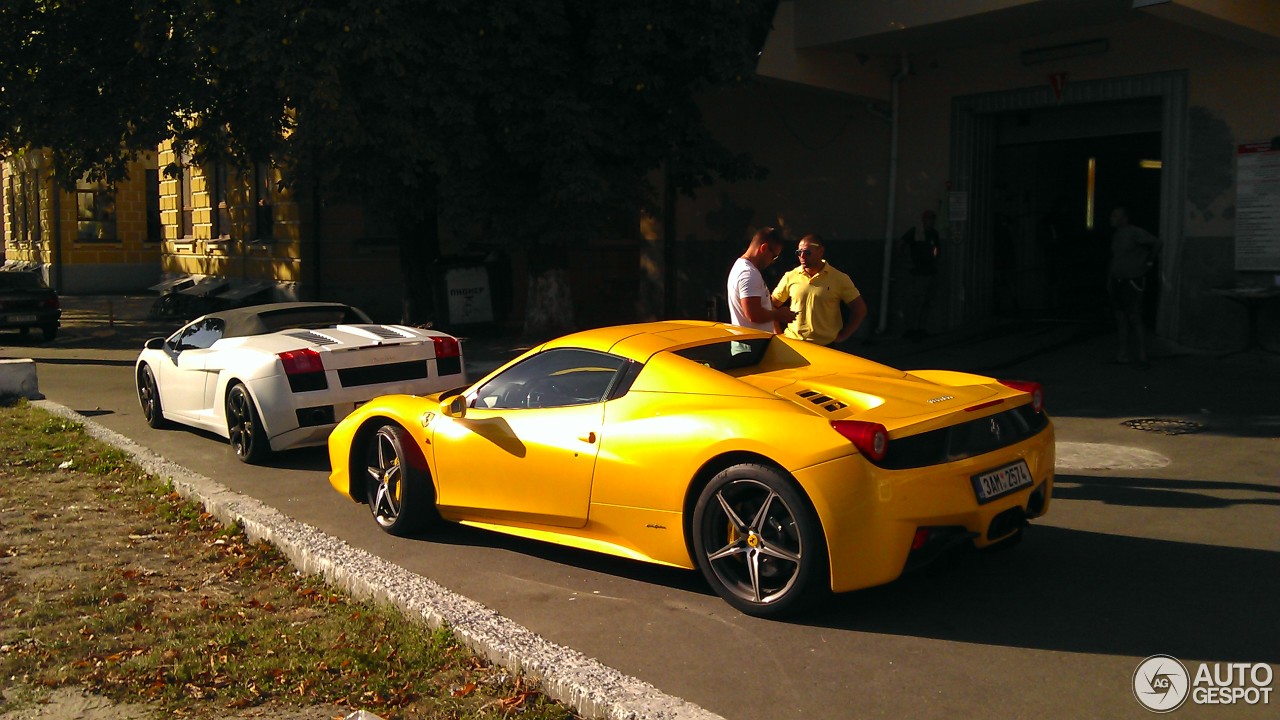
point(262, 319)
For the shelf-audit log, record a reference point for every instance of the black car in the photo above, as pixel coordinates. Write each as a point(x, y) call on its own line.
point(27, 302)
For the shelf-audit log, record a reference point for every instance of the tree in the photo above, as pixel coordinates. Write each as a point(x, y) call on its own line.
point(537, 124)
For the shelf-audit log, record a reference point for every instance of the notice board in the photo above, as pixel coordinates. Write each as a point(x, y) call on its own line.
point(1258, 206)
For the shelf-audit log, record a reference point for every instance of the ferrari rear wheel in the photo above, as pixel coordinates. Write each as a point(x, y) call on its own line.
point(758, 542)
point(149, 398)
point(399, 493)
point(244, 426)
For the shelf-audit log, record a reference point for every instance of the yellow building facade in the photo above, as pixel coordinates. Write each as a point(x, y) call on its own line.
point(95, 238)
point(227, 232)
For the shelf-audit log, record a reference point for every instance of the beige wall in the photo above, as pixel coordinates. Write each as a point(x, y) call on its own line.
point(1228, 82)
point(126, 262)
point(1233, 97)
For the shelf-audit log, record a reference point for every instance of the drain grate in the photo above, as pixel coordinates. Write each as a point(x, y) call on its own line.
point(1164, 426)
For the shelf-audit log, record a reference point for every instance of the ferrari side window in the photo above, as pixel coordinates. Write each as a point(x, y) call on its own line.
point(555, 378)
point(725, 356)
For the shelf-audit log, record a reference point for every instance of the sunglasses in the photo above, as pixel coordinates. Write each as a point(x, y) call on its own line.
point(805, 251)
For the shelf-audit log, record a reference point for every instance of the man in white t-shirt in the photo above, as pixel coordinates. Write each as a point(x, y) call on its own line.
point(749, 301)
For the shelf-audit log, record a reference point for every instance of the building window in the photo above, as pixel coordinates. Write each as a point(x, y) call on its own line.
point(220, 215)
point(186, 206)
point(155, 226)
point(264, 216)
point(95, 212)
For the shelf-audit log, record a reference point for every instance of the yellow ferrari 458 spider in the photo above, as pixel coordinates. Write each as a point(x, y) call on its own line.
point(782, 470)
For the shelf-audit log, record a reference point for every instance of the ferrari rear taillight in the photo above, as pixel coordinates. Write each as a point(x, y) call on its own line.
point(1026, 386)
point(870, 438)
point(298, 362)
point(446, 346)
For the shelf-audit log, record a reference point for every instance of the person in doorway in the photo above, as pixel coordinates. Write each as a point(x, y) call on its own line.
point(1133, 253)
point(923, 246)
point(815, 291)
point(749, 303)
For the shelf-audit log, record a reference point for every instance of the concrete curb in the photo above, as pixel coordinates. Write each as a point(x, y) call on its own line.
point(591, 689)
point(18, 378)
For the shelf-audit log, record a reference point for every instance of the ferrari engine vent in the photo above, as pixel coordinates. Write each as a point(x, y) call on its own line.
point(313, 337)
point(825, 402)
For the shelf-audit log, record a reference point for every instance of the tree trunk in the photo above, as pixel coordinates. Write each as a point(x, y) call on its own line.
point(419, 251)
point(549, 305)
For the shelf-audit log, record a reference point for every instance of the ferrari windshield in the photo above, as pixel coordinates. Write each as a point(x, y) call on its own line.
point(728, 354)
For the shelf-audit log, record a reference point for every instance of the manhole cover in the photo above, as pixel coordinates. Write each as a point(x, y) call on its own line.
point(1164, 426)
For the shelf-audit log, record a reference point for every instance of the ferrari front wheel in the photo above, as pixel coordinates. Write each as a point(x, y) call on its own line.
point(244, 426)
point(399, 492)
point(758, 541)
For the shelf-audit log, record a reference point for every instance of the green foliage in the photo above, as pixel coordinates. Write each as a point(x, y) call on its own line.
point(546, 117)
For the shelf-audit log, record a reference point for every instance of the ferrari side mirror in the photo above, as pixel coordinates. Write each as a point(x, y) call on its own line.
point(155, 343)
point(454, 407)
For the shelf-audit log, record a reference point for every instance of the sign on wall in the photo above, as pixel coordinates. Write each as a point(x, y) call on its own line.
point(1257, 207)
point(469, 299)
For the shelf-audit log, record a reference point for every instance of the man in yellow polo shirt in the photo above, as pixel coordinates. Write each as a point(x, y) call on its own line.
point(815, 290)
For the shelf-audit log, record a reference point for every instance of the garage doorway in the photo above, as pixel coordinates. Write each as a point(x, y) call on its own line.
point(1016, 159)
point(1056, 176)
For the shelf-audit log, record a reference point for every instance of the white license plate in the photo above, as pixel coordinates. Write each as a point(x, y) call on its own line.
point(1001, 481)
point(22, 318)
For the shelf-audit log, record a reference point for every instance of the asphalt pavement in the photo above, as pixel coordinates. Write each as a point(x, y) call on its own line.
point(1140, 450)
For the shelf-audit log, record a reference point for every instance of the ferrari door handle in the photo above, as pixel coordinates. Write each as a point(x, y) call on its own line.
point(588, 437)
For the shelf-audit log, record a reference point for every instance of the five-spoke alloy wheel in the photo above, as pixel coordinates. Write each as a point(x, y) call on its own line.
point(758, 541)
point(399, 492)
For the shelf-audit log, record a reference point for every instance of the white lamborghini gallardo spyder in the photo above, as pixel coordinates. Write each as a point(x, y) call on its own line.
point(280, 376)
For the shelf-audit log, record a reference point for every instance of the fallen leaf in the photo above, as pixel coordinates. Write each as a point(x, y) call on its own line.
point(464, 690)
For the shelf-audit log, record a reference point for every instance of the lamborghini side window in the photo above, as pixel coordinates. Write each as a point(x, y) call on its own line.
point(555, 378)
point(201, 335)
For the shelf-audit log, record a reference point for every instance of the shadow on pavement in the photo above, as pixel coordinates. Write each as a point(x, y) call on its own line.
point(1159, 493)
point(1075, 591)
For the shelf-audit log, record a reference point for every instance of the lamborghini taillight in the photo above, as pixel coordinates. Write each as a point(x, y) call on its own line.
point(446, 346)
point(304, 370)
point(297, 362)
